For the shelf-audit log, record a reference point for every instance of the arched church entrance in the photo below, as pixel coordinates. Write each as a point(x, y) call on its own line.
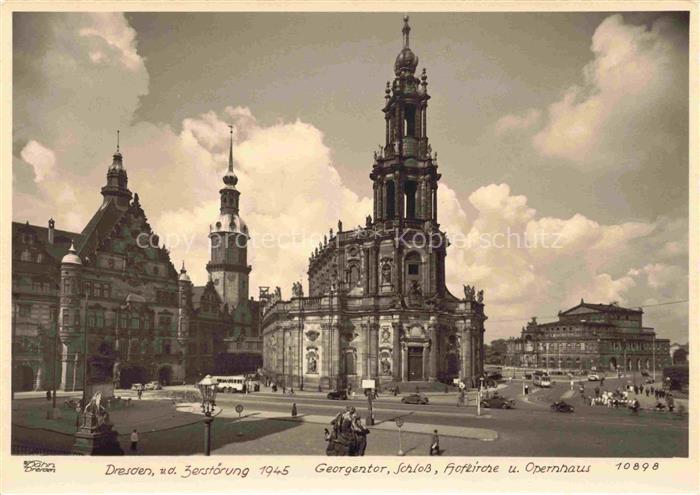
point(165, 375)
point(415, 363)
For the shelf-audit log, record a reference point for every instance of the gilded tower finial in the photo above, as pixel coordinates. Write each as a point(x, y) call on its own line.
point(230, 178)
point(406, 30)
point(117, 140)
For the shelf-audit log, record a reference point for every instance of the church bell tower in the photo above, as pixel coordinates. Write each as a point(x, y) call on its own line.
point(228, 235)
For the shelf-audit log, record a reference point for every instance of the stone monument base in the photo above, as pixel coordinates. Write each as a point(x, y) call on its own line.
point(95, 435)
point(97, 443)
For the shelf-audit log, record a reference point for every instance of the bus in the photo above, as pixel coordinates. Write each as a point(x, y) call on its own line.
point(541, 379)
point(230, 384)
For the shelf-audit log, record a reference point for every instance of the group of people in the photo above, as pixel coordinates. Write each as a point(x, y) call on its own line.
point(348, 435)
point(624, 398)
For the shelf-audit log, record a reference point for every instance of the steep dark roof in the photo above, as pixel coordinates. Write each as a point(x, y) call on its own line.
point(197, 295)
point(62, 238)
point(99, 226)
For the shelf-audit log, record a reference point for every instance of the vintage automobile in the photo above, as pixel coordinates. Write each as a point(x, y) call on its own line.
point(153, 386)
point(593, 377)
point(498, 402)
point(414, 399)
point(337, 395)
point(136, 386)
point(561, 406)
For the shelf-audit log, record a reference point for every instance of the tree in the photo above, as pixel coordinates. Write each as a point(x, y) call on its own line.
point(495, 352)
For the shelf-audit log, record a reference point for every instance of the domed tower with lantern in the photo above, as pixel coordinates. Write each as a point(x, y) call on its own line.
point(228, 234)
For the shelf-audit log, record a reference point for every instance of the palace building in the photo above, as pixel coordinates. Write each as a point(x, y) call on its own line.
point(378, 307)
point(601, 337)
point(113, 285)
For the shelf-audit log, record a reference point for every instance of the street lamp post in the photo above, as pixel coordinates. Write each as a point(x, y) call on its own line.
point(653, 358)
point(85, 351)
point(207, 387)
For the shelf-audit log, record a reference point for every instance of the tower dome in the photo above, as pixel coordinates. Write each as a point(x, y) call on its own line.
point(71, 258)
point(183, 274)
point(406, 60)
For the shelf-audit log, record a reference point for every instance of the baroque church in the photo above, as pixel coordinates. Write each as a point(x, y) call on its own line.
point(378, 307)
point(114, 286)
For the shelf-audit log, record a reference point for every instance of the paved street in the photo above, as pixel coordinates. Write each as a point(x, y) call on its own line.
point(267, 427)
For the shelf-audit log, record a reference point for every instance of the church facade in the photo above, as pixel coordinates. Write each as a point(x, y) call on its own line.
point(113, 284)
point(378, 307)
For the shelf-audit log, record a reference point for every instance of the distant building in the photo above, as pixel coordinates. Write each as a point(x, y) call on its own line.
point(679, 353)
point(603, 337)
point(378, 306)
point(113, 282)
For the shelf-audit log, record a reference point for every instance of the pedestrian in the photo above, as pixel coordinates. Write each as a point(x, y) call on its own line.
point(134, 440)
point(435, 444)
point(284, 389)
point(527, 389)
point(461, 398)
point(670, 402)
point(139, 392)
point(597, 391)
point(571, 384)
point(294, 409)
point(646, 391)
point(48, 395)
point(361, 432)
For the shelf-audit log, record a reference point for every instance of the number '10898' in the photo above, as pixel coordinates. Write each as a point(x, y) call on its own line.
point(637, 466)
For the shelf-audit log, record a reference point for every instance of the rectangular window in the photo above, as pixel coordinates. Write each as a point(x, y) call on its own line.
point(135, 322)
point(25, 309)
point(100, 319)
point(413, 269)
point(91, 319)
point(88, 288)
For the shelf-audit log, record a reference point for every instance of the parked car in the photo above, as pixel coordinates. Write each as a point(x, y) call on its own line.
point(414, 399)
point(561, 406)
point(337, 395)
point(498, 402)
point(527, 376)
point(593, 377)
point(645, 373)
point(136, 386)
point(153, 386)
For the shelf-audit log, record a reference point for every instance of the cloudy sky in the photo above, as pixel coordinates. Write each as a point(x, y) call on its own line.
point(567, 126)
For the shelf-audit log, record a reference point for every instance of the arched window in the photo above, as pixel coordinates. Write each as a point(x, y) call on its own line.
point(390, 199)
point(409, 128)
point(410, 199)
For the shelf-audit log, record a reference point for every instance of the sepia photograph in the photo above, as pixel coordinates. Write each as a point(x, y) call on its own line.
point(399, 233)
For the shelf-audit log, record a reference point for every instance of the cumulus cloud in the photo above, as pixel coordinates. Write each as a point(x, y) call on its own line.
point(626, 107)
point(42, 160)
point(533, 264)
point(630, 80)
point(511, 122)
